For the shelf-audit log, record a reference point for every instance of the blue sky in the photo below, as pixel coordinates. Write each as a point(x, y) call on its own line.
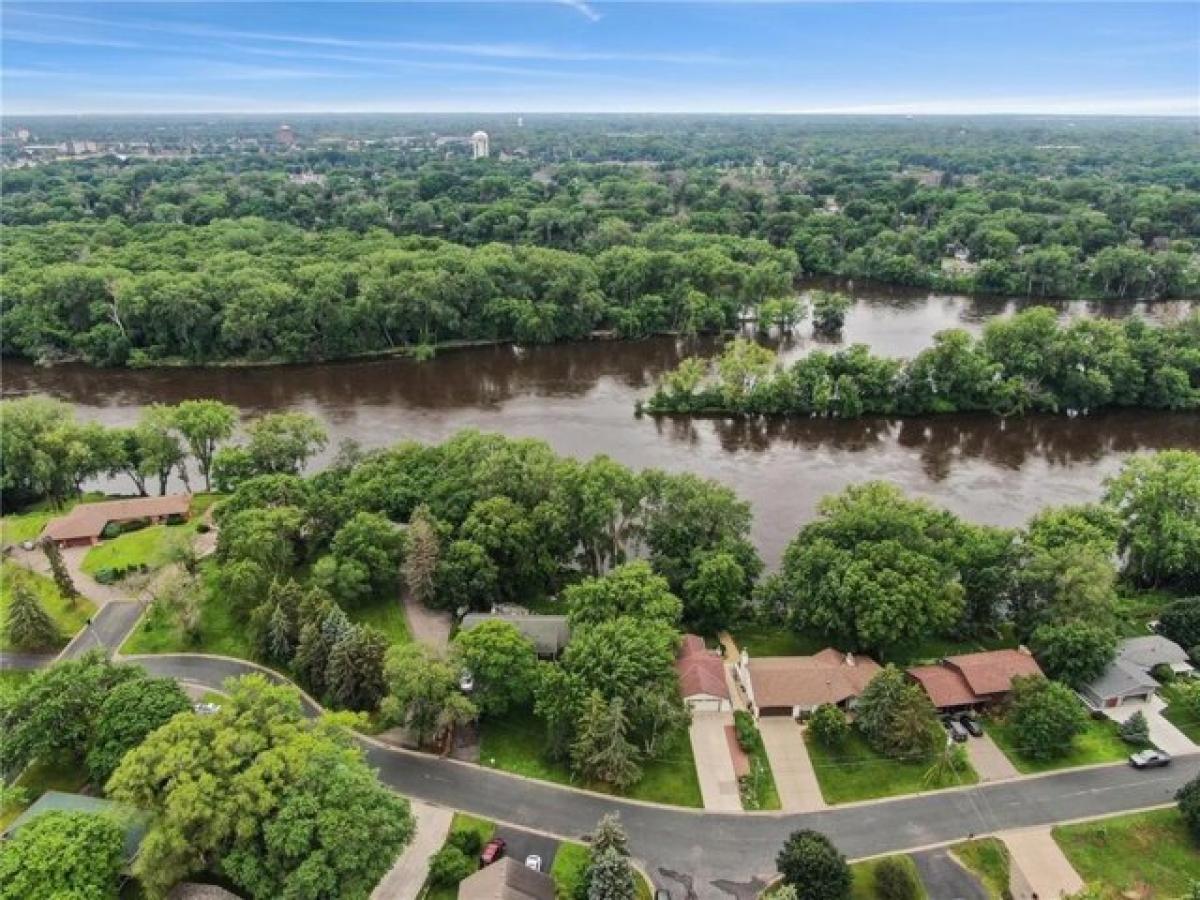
point(737, 56)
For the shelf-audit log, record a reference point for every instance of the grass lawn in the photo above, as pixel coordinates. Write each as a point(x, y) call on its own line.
point(1179, 716)
point(1126, 854)
point(68, 616)
point(26, 526)
point(220, 630)
point(863, 885)
point(854, 771)
point(931, 649)
point(1137, 607)
point(777, 640)
point(387, 616)
point(987, 858)
point(516, 744)
point(146, 546)
point(1100, 743)
point(39, 778)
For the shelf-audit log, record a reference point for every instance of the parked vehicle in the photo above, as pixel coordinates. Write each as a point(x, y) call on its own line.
point(661, 894)
point(957, 733)
point(492, 851)
point(533, 861)
point(466, 682)
point(1150, 759)
point(971, 724)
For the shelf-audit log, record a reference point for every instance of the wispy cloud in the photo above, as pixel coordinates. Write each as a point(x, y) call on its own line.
point(35, 37)
point(583, 8)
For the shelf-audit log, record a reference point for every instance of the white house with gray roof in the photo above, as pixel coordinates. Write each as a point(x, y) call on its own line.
point(1127, 678)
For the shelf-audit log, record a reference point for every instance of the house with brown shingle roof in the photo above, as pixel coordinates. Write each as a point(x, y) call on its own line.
point(797, 685)
point(84, 524)
point(702, 676)
point(973, 680)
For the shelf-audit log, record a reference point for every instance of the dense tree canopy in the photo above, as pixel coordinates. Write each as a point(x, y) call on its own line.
point(76, 855)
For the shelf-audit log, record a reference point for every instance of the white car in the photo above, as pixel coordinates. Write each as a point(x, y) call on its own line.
point(533, 861)
point(466, 682)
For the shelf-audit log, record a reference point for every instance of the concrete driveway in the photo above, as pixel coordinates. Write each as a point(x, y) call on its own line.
point(1039, 870)
point(790, 764)
point(989, 760)
point(521, 844)
point(714, 766)
point(406, 878)
point(1163, 734)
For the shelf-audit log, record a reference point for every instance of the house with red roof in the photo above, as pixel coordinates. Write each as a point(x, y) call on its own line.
point(973, 680)
point(702, 676)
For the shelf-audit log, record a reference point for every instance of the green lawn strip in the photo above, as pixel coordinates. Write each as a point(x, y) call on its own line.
point(386, 615)
point(777, 640)
point(1182, 718)
point(1137, 607)
point(570, 865)
point(1125, 855)
point(516, 743)
point(863, 885)
point(67, 615)
point(855, 771)
point(761, 780)
point(930, 649)
point(988, 859)
point(1099, 743)
point(40, 777)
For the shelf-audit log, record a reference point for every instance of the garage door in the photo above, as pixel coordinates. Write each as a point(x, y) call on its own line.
point(705, 704)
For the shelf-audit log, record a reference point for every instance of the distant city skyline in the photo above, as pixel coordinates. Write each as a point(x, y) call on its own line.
point(592, 57)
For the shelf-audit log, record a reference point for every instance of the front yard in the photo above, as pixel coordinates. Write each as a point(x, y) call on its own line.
point(516, 744)
point(1146, 855)
point(68, 615)
point(987, 858)
point(1179, 715)
point(863, 886)
point(855, 771)
point(1099, 743)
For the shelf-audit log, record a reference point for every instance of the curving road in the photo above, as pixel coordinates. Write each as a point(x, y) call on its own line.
point(703, 854)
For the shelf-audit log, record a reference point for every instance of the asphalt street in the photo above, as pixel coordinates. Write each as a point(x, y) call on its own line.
point(721, 852)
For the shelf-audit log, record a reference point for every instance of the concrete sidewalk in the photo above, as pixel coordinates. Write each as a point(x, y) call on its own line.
point(790, 764)
point(406, 878)
point(1039, 869)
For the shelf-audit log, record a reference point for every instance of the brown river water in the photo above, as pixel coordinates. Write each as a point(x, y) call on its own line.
point(580, 398)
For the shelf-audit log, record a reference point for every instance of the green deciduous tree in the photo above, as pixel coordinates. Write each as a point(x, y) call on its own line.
point(1046, 717)
point(632, 589)
point(828, 725)
point(128, 714)
point(1188, 798)
point(1075, 652)
point(420, 685)
point(204, 424)
point(283, 442)
point(812, 865)
point(63, 854)
point(503, 663)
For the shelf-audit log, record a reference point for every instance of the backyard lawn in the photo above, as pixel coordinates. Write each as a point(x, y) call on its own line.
point(40, 777)
point(28, 525)
point(1100, 743)
point(1178, 715)
point(1126, 855)
point(854, 771)
point(777, 640)
point(780, 640)
point(68, 616)
point(387, 615)
point(987, 858)
point(863, 886)
point(515, 744)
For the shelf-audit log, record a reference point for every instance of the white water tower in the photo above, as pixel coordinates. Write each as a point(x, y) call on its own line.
point(479, 145)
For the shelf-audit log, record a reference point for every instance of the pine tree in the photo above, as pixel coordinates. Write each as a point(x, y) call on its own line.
point(421, 555)
point(280, 635)
point(58, 569)
point(610, 835)
point(601, 750)
point(611, 877)
point(310, 659)
point(340, 681)
point(26, 623)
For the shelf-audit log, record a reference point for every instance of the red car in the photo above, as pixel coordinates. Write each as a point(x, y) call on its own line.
point(492, 851)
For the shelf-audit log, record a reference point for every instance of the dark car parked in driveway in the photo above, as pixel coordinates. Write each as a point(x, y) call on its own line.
point(957, 733)
point(971, 724)
point(1150, 759)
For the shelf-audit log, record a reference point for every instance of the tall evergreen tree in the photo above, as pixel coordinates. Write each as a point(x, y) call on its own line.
point(26, 622)
point(421, 555)
point(611, 877)
point(601, 750)
point(58, 569)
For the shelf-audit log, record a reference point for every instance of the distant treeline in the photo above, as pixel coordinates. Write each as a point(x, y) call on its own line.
point(1021, 364)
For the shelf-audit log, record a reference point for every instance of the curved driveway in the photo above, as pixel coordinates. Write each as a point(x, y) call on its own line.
point(722, 854)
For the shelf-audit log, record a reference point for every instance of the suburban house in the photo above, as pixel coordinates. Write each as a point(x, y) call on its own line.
point(506, 879)
point(548, 633)
point(84, 524)
point(796, 685)
point(973, 680)
point(1127, 678)
point(702, 676)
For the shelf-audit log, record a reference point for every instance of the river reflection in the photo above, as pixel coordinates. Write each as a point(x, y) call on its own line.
point(580, 398)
